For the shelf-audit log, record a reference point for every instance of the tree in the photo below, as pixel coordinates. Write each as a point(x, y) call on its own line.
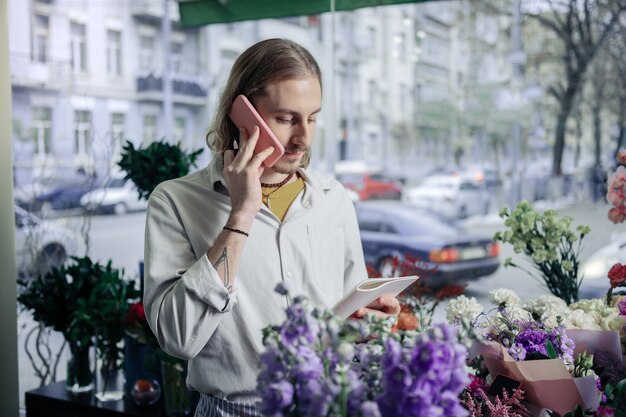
point(582, 26)
point(616, 51)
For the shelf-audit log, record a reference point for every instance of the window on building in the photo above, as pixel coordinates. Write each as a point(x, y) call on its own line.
point(179, 129)
point(176, 57)
point(149, 128)
point(372, 93)
point(41, 129)
point(114, 53)
point(82, 132)
point(78, 47)
point(118, 128)
point(146, 53)
point(40, 38)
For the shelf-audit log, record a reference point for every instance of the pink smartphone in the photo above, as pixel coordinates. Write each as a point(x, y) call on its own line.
point(244, 115)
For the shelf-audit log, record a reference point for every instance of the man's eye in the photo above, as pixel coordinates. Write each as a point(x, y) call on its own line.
point(312, 120)
point(284, 120)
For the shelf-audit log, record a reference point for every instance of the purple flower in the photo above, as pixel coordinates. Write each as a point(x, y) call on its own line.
point(517, 352)
point(276, 397)
point(370, 409)
point(621, 306)
point(533, 340)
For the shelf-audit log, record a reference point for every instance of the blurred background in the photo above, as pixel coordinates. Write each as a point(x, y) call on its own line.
point(454, 109)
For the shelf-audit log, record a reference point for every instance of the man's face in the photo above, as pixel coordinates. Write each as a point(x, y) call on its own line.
point(290, 109)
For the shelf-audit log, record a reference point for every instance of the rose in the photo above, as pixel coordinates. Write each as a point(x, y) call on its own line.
point(135, 315)
point(617, 274)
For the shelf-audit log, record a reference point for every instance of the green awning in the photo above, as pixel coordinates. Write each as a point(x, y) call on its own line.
point(205, 12)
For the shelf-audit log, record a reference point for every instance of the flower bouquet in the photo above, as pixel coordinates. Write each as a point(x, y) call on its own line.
point(529, 343)
point(317, 365)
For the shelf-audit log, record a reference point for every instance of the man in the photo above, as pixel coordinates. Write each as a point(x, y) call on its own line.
point(218, 241)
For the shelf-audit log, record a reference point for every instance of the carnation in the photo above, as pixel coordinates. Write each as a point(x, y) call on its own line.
point(546, 304)
point(579, 319)
point(503, 297)
point(463, 308)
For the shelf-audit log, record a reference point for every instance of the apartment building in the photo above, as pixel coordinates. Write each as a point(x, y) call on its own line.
point(87, 76)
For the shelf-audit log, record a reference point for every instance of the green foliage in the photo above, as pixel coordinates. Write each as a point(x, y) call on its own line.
point(549, 242)
point(160, 161)
point(82, 300)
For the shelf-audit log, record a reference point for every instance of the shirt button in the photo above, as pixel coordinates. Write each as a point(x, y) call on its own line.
point(289, 274)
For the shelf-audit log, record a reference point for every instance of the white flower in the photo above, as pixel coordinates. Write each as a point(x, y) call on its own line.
point(503, 297)
point(579, 319)
point(517, 314)
point(545, 304)
point(463, 308)
point(554, 319)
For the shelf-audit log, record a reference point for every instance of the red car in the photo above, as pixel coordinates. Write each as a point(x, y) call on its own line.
point(371, 186)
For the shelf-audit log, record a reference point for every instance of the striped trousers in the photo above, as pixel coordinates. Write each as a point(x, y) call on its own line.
point(209, 406)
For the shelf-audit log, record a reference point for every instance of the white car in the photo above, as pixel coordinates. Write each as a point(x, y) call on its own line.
point(41, 244)
point(595, 270)
point(118, 196)
point(450, 196)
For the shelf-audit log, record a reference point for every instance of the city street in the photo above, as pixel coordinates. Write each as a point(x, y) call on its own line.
point(120, 238)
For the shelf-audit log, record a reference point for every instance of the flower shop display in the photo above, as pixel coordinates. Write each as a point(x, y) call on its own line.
point(317, 365)
point(565, 356)
point(84, 301)
point(549, 242)
point(420, 300)
point(148, 363)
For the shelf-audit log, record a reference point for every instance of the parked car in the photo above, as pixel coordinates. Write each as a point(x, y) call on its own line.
point(371, 186)
point(451, 196)
point(62, 194)
point(446, 252)
point(118, 196)
point(41, 244)
point(595, 269)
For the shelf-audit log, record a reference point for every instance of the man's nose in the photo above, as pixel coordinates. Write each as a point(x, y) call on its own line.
point(304, 133)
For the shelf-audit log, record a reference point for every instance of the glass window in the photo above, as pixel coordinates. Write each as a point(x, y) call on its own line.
point(82, 132)
point(149, 128)
point(78, 47)
point(118, 128)
point(114, 53)
point(179, 129)
point(40, 38)
point(146, 53)
point(41, 129)
point(176, 56)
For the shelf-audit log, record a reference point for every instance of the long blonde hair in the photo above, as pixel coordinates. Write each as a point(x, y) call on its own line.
point(263, 63)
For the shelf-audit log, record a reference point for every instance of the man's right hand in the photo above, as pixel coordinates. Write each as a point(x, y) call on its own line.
point(242, 173)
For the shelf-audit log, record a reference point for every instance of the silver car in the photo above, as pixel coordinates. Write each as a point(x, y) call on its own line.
point(41, 244)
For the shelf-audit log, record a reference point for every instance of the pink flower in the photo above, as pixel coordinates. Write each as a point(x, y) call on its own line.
point(604, 411)
point(617, 214)
point(615, 196)
point(617, 274)
point(621, 156)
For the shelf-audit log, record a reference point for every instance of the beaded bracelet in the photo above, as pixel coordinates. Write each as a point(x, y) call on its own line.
point(232, 229)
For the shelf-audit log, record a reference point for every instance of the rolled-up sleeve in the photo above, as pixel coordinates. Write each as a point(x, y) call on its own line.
point(184, 297)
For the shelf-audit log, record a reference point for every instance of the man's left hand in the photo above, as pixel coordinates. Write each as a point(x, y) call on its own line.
point(383, 307)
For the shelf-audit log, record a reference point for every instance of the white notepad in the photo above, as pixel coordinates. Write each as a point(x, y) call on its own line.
point(368, 291)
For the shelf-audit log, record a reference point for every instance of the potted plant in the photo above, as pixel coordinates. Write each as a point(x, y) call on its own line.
point(81, 300)
point(160, 161)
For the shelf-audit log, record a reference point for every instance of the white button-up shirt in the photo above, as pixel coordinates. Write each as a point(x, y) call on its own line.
point(316, 250)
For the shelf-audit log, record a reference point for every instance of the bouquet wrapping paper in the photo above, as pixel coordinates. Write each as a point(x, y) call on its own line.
point(546, 382)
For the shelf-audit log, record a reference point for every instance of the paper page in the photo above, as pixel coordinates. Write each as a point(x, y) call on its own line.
point(368, 291)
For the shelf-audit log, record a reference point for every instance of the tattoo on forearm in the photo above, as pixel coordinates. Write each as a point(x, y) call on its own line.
point(223, 259)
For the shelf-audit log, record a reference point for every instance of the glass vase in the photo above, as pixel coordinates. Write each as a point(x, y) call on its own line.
point(176, 396)
point(79, 367)
point(109, 381)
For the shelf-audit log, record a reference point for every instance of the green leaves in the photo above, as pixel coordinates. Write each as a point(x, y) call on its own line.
point(549, 243)
point(160, 161)
point(81, 300)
